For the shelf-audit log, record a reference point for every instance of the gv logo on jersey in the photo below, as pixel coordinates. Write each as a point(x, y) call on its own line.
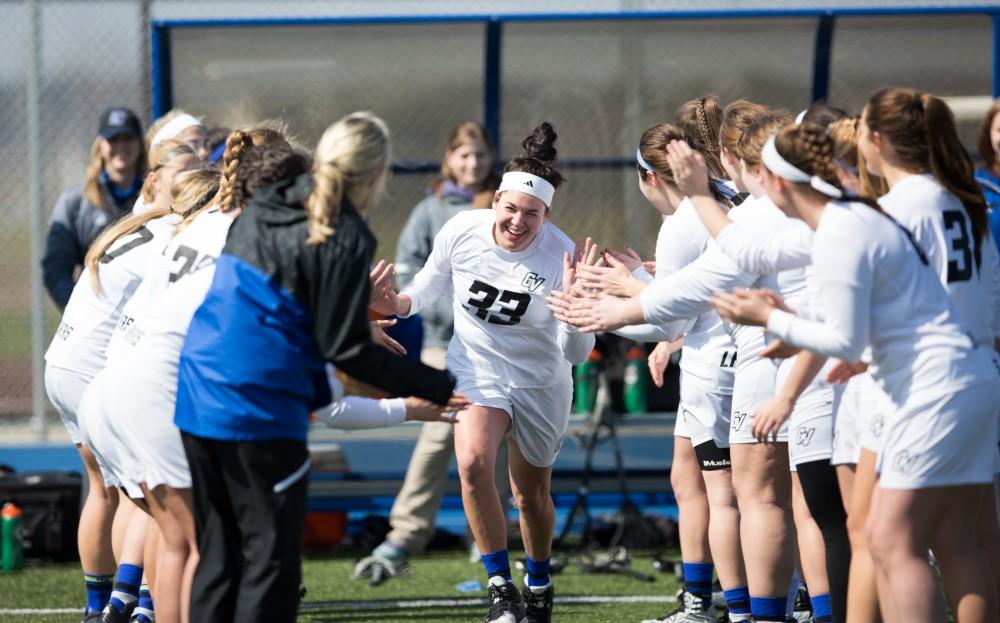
point(531, 280)
point(739, 419)
point(905, 462)
point(877, 424)
point(805, 436)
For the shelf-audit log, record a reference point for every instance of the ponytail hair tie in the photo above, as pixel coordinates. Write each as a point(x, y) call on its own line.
point(918, 99)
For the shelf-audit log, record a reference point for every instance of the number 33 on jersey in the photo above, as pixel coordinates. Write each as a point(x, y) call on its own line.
point(502, 324)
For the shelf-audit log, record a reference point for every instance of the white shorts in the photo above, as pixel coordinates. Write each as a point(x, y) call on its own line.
point(941, 441)
point(101, 436)
point(539, 416)
point(705, 412)
point(847, 420)
point(145, 417)
point(876, 410)
point(65, 390)
point(811, 423)
point(753, 386)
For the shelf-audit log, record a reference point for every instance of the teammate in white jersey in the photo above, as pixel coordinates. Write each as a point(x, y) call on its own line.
point(910, 140)
point(805, 397)
point(113, 268)
point(701, 434)
point(939, 452)
point(511, 359)
point(131, 402)
point(760, 471)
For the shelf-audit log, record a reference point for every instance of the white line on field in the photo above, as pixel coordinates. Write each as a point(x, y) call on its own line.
point(393, 604)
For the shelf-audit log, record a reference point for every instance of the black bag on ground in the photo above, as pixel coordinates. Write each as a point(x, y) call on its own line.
point(50, 502)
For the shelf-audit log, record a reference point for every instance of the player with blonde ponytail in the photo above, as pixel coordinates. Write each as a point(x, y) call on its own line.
point(292, 281)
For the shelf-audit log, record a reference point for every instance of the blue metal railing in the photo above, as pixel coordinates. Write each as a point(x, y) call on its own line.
point(162, 91)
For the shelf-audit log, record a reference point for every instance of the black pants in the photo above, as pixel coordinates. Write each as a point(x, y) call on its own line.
point(822, 493)
point(249, 511)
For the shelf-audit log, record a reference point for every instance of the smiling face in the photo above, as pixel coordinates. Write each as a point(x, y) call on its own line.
point(120, 153)
point(470, 164)
point(519, 218)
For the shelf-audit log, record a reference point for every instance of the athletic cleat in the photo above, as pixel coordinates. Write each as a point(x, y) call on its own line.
point(506, 605)
point(111, 615)
point(143, 615)
point(691, 610)
point(802, 612)
point(538, 602)
point(91, 617)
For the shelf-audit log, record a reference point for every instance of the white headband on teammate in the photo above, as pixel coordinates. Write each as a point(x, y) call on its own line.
point(528, 184)
point(786, 170)
point(174, 127)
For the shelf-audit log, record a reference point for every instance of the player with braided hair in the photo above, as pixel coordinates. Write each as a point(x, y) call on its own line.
point(939, 448)
point(135, 393)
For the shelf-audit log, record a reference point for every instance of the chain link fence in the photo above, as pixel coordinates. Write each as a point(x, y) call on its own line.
point(601, 82)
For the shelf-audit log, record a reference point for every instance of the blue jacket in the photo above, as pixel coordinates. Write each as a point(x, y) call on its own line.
point(252, 366)
point(990, 183)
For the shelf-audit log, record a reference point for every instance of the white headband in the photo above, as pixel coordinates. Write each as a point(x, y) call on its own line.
point(786, 170)
point(528, 184)
point(174, 127)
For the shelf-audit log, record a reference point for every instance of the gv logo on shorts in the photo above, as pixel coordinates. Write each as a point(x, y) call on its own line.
point(532, 281)
point(739, 419)
point(904, 461)
point(805, 436)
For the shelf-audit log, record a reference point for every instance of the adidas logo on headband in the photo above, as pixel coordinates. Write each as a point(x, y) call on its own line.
point(528, 184)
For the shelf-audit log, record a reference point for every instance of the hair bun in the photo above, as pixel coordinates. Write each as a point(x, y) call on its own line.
point(540, 144)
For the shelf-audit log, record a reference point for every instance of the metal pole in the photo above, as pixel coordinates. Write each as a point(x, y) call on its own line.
point(147, 77)
point(35, 198)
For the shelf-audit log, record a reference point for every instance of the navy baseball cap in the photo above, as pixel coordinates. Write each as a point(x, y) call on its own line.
point(117, 121)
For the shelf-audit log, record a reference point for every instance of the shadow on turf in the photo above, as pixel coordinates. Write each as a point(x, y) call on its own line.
point(336, 614)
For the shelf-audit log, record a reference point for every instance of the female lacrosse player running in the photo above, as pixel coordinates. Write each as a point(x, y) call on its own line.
point(113, 268)
point(292, 281)
point(701, 434)
point(512, 359)
point(939, 447)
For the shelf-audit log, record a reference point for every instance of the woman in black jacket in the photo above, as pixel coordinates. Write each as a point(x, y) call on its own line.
point(291, 292)
point(112, 183)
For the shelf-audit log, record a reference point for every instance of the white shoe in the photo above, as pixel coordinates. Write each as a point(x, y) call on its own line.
point(690, 610)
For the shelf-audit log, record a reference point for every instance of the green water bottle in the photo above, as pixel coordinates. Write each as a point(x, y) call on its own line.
point(634, 381)
point(585, 383)
point(11, 538)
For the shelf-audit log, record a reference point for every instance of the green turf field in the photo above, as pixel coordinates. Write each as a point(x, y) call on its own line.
point(334, 598)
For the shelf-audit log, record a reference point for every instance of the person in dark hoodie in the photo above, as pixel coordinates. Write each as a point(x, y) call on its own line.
point(112, 183)
point(291, 292)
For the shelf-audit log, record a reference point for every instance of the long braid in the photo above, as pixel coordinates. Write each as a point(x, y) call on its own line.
point(230, 195)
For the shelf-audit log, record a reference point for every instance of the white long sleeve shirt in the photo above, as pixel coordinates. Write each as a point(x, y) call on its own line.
point(686, 293)
point(81, 341)
point(504, 330)
point(967, 267)
point(876, 289)
point(358, 412)
point(708, 348)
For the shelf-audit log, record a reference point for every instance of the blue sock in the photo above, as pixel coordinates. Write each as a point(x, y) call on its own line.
point(145, 602)
point(768, 608)
point(698, 580)
point(821, 608)
point(98, 590)
point(538, 571)
point(126, 587)
point(738, 601)
point(497, 564)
